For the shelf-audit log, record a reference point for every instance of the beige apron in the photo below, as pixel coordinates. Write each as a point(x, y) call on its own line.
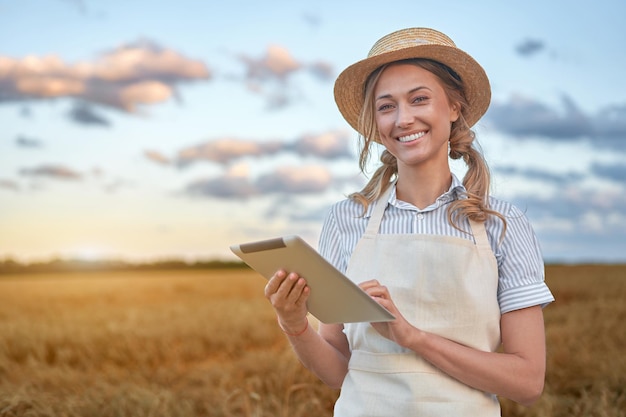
point(441, 284)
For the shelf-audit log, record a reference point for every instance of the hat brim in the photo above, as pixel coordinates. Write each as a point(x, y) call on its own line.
point(349, 86)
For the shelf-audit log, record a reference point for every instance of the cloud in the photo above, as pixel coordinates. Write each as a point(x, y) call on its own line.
point(269, 74)
point(321, 70)
point(530, 47)
point(614, 172)
point(576, 215)
point(540, 175)
point(579, 209)
point(236, 183)
point(277, 64)
point(85, 114)
point(311, 179)
point(225, 150)
point(328, 145)
point(26, 142)
point(9, 185)
point(579, 221)
point(124, 78)
point(157, 157)
point(523, 117)
point(296, 210)
point(610, 123)
point(116, 185)
point(526, 118)
point(312, 19)
point(52, 171)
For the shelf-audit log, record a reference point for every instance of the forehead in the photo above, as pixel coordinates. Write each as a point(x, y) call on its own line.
point(407, 76)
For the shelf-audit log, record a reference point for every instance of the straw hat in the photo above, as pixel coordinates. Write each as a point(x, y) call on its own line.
point(406, 44)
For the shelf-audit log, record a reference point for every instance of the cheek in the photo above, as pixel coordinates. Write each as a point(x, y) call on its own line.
point(380, 121)
point(384, 125)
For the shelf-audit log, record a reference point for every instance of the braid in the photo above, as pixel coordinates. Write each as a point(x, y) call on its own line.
point(380, 181)
point(476, 180)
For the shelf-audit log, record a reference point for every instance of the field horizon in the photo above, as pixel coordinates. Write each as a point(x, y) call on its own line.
point(10, 265)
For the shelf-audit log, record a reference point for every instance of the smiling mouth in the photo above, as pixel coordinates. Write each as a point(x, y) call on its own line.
point(409, 138)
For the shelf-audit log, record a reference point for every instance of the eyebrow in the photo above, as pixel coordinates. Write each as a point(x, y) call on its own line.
point(411, 91)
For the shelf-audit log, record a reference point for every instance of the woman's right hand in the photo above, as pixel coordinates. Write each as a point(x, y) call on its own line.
point(288, 294)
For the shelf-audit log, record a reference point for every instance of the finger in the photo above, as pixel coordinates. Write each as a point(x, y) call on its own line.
point(299, 291)
point(368, 284)
point(274, 283)
point(288, 286)
point(378, 291)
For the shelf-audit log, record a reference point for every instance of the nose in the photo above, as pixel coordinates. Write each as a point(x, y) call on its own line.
point(404, 116)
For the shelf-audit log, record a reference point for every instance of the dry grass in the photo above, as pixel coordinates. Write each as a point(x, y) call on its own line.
point(586, 340)
point(205, 343)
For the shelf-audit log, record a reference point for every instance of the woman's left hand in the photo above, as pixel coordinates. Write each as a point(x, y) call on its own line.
point(398, 330)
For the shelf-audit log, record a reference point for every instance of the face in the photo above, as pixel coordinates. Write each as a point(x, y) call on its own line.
point(413, 116)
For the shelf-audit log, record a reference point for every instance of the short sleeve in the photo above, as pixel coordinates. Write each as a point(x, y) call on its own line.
point(520, 266)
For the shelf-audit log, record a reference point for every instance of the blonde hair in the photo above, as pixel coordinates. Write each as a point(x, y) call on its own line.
point(477, 178)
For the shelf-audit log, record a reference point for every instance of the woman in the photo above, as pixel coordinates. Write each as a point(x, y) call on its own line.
point(461, 271)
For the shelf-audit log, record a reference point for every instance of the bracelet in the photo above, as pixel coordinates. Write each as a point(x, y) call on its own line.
point(294, 334)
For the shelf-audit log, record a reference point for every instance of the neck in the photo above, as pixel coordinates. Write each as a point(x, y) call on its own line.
point(422, 188)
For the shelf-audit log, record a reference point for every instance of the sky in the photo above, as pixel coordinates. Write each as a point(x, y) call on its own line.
point(146, 130)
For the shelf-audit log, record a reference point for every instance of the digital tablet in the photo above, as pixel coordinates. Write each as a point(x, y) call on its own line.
point(334, 298)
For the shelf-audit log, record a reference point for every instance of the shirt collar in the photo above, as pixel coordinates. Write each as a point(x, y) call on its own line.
point(455, 192)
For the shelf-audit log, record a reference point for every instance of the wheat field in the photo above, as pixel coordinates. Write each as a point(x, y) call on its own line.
point(205, 343)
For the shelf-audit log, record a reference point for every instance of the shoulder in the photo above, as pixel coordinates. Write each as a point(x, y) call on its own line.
point(344, 218)
point(514, 241)
point(504, 207)
point(515, 218)
point(343, 225)
point(347, 210)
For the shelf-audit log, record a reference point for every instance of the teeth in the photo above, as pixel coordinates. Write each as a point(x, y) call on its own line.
point(409, 138)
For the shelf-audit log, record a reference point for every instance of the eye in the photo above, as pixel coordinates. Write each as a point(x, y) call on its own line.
point(420, 99)
point(384, 107)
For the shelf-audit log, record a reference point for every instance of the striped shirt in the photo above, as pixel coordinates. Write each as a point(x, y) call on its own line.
point(520, 264)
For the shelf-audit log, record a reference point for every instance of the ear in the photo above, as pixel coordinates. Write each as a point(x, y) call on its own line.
point(455, 112)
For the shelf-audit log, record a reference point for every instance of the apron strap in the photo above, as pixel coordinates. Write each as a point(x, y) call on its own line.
point(377, 213)
point(480, 235)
